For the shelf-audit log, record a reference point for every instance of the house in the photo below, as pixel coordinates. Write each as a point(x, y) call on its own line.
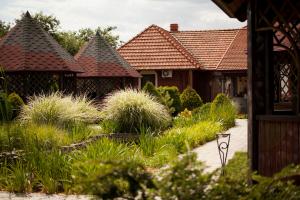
point(34, 62)
point(273, 80)
point(210, 61)
point(105, 70)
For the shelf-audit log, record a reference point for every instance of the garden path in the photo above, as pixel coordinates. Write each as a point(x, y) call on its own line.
point(209, 154)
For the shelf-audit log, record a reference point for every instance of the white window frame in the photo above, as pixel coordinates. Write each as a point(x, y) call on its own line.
point(148, 72)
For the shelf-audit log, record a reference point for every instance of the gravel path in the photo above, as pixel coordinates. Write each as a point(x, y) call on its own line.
point(209, 154)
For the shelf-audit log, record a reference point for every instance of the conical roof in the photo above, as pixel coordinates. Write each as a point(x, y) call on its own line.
point(99, 59)
point(28, 47)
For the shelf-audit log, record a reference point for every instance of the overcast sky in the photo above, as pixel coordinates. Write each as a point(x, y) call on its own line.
point(130, 16)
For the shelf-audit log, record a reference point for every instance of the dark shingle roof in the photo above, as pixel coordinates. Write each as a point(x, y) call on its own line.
point(99, 59)
point(27, 47)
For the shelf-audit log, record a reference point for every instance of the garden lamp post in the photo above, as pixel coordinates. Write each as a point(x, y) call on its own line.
point(223, 140)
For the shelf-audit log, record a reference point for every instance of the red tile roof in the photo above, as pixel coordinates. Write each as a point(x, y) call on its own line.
point(27, 47)
point(235, 57)
point(99, 59)
point(156, 48)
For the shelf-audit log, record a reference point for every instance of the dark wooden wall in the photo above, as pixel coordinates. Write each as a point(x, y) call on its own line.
point(180, 79)
point(279, 143)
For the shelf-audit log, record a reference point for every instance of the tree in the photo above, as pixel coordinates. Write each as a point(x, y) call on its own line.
point(87, 33)
point(72, 40)
point(4, 28)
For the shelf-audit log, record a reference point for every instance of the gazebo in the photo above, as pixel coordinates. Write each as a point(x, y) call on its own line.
point(33, 62)
point(274, 85)
point(105, 69)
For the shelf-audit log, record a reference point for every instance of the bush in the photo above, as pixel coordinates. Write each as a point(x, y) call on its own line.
point(130, 110)
point(17, 102)
point(60, 110)
point(190, 99)
point(223, 111)
point(184, 179)
point(175, 96)
point(164, 99)
point(6, 111)
point(114, 179)
point(150, 89)
point(192, 136)
point(203, 112)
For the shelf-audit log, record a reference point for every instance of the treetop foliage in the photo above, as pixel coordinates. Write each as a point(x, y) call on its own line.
point(70, 40)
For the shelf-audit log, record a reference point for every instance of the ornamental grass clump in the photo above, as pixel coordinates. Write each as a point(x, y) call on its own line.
point(58, 109)
point(130, 111)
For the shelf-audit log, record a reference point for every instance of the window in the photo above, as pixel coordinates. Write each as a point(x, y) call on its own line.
point(148, 76)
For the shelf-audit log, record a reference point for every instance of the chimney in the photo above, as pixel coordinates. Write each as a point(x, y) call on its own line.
point(174, 27)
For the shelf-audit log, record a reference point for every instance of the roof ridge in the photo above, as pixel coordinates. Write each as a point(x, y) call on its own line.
point(114, 52)
point(208, 30)
point(228, 48)
point(182, 49)
point(94, 49)
point(129, 41)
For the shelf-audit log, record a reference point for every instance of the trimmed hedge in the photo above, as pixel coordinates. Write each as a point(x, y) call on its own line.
point(190, 99)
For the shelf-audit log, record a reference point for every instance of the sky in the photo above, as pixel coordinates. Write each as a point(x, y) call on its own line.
point(129, 16)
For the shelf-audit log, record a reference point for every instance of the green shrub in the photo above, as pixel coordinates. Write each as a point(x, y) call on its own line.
point(175, 96)
point(184, 179)
point(150, 89)
point(17, 102)
point(114, 179)
point(6, 111)
point(203, 112)
point(190, 99)
point(220, 100)
point(60, 110)
point(192, 136)
point(130, 110)
point(223, 111)
point(164, 99)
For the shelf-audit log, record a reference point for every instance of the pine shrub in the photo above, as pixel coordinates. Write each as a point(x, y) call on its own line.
point(150, 89)
point(174, 94)
point(190, 99)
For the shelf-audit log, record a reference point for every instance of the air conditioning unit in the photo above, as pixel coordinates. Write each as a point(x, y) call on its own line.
point(166, 73)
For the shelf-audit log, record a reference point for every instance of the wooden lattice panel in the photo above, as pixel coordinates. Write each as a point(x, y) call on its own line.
point(31, 83)
point(283, 20)
point(98, 87)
